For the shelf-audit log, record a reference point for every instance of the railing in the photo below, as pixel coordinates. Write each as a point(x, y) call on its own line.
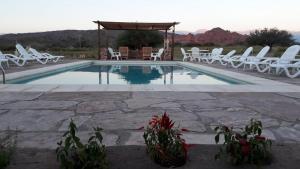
point(3, 74)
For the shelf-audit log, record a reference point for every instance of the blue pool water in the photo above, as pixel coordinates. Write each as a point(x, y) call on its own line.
point(124, 74)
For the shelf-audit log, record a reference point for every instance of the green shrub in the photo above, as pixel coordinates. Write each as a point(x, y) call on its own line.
point(245, 146)
point(73, 154)
point(164, 143)
point(7, 147)
point(139, 39)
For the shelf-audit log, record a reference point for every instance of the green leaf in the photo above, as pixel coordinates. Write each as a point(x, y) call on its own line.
point(217, 138)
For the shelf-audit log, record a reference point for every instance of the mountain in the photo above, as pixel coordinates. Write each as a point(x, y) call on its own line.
point(57, 39)
point(88, 38)
point(216, 36)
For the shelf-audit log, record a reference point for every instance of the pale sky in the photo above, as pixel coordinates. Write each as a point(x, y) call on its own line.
point(18, 16)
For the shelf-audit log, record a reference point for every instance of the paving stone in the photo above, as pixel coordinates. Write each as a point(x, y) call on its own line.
point(286, 124)
point(141, 103)
point(297, 126)
point(33, 120)
point(169, 105)
point(288, 134)
point(78, 120)
point(97, 106)
point(171, 96)
point(19, 96)
point(86, 96)
point(135, 138)
point(40, 105)
point(268, 134)
point(269, 104)
point(197, 105)
point(2, 112)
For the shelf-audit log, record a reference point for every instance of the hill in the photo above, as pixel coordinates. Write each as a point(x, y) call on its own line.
point(216, 36)
point(57, 39)
point(70, 39)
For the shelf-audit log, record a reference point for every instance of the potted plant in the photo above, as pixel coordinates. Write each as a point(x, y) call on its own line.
point(73, 154)
point(164, 143)
point(7, 148)
point(246, 145)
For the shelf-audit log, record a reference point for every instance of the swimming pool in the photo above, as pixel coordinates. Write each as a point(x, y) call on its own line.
point(127, 75)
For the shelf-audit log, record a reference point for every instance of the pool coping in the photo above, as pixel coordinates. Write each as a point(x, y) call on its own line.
point(257, 84)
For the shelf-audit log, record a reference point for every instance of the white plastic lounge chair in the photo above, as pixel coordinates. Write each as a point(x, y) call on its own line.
point(254, 60)
point(157, 55)
point(45, 56)
point(116, 55)
point(287, 60)
point(23, 52)
point(3, 59)
point(237, 60)
point(221, 58)
point(186, 56)
point(22, 58)
point(213, 56)
point(38, 55)
point(295, 67)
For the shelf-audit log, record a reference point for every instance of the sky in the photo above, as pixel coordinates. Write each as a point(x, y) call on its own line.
point(20, 16)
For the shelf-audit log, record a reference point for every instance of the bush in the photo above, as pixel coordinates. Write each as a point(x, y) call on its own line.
point(73, 154)
point(270, 37)
point(7, 147)
point(245, 146)
point(164, 143)
point(139, 39)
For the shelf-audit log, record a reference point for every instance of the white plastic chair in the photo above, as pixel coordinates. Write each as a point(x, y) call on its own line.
point(254, 60)
point(157, 55)
point(186, 56)
point(3, 59)
point(116, 55)
point(238, 60)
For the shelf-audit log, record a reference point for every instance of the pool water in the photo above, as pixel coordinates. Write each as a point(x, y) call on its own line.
point(128, 74)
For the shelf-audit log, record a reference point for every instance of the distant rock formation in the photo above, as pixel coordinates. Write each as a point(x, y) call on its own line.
point(215, 36)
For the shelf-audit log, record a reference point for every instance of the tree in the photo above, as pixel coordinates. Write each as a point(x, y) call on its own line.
point(138, 39)
point(270, 37)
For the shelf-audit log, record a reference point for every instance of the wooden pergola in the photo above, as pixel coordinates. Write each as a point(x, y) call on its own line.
point(137, 26)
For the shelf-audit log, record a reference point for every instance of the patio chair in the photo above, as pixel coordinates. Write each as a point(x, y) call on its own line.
point(186, 56)
point(114, 55)
point(213, 56)
point(221, 58)
point(147, 53)
point(23, 57)
point(284, 63)
point(53, 58)
point(195, 53)
point(36, 54)
point(238, 60)
point(157, 55)
point(295, 67)
point(254, 60)
point(3, 59)
point(124, 52)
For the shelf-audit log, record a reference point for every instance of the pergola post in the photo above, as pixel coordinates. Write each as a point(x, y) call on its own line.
point(173, 43)
point(99, 41)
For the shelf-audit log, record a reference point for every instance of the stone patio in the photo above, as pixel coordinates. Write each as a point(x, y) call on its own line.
point(41, 118)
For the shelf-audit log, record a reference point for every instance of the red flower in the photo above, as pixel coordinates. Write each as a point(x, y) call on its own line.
point(245, 147)
point(260, 138)
point(184, 130)
point(243, 142)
